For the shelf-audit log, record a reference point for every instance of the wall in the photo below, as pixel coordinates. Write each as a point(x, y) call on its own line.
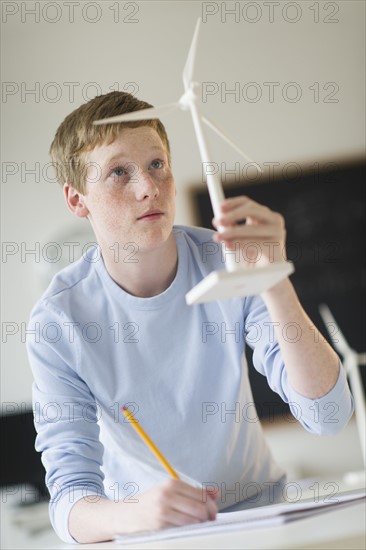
point(73, 58)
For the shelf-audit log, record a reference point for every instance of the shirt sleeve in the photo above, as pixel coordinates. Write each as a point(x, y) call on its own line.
point(328, 414)
point(65, 417)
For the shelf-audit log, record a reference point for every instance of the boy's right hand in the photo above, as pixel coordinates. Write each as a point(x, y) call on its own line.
point(170, 504)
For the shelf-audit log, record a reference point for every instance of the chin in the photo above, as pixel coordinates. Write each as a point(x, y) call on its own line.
point(154, 239)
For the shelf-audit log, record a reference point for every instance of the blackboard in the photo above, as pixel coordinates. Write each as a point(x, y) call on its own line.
point(326, 227)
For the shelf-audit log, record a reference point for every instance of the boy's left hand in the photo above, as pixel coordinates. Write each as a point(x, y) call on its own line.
point(256, 230)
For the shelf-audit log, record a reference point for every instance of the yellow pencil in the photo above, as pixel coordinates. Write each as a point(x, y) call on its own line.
point(149, 443)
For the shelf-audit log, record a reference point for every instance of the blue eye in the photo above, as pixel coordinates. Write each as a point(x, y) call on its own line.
point(118, 172)
point(157, 163)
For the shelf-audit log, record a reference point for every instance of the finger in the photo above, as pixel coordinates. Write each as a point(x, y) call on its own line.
point(212, 508)
point(203, 499)
point(218, 225)
point(227, 205)
point(247, 211)
point(236, 209)
point(213, 493)
point(187, 490)
point(245, 232)
point(232, 202)
point(175, 518)
point(191, 508)
point(199, 495)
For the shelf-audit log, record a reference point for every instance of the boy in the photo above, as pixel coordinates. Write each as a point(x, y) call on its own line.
point(114, 330)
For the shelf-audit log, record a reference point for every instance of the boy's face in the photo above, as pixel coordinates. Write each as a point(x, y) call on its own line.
point(130, 190)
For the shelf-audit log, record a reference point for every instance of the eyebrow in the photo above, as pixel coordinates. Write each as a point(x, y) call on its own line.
point(123, 155)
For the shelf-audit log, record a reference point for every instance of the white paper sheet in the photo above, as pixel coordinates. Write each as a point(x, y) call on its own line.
point(265, 516)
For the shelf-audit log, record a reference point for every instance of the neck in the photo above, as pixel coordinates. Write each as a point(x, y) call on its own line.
point(143, 273)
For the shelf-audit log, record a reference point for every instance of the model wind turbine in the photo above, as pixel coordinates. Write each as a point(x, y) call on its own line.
point(351, 360)
point(236, 280)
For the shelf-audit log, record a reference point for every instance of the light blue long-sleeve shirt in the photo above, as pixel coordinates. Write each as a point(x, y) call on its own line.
point(180, 369)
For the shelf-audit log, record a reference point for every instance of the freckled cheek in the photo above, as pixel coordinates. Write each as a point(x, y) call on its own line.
point(168, 186)
point(110, 212)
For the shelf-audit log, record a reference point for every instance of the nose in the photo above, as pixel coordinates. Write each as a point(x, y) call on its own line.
point(145, 186)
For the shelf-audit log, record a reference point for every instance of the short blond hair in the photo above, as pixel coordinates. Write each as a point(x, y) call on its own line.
point(77, 134)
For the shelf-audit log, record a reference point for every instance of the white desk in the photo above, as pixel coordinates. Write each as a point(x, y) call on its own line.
point(342, 529)
point(300, 452)
point(339, 529)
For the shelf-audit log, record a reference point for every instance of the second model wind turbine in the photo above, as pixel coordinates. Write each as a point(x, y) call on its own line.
point(236, 280)
point(351, 360)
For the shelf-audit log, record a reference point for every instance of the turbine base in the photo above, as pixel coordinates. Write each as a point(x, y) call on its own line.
point(221, 285)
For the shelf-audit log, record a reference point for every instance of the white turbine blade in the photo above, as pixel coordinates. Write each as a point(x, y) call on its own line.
point(339, 341)
point(143, 114)
point(189, 66)
point(220, 133)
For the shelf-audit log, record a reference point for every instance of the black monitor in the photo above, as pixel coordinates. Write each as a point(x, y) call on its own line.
point(20, 462)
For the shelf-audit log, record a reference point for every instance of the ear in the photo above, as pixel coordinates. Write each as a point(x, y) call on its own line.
point(75, 201)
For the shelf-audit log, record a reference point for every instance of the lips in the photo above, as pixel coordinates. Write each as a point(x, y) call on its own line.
point(151, 214)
